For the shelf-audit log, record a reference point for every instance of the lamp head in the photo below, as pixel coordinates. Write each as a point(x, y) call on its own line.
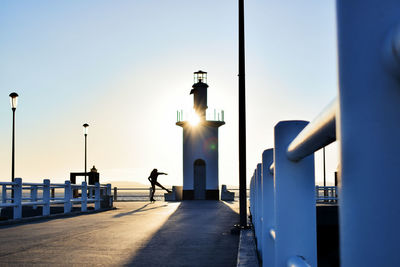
point(13, 100)
point(85, 129)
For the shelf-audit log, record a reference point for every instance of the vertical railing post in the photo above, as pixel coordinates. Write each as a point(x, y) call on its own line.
point(108, 190)
point(251, 196)
point(34, 195)
point(254, 209)
point(17, 188)
point(254, 204)
point(96, 196)
point(53, 193)
point(268, 209)
point(368, 126)
point(259, 210)
point(4, 194)
point(84, 196)
point(46, 197)
point(115, 193)
point(67, 196)
point(109, 195)
point(294, 199)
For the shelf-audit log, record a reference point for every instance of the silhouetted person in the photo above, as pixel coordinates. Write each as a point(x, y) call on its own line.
point(153, 180)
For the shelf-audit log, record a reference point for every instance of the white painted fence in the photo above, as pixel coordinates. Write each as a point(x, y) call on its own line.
point(137, 194)
point(365, 120)
point(326, 194)
point(283, 193)
point(97, 193)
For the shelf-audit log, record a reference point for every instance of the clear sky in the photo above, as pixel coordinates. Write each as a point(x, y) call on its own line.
point(125, 67)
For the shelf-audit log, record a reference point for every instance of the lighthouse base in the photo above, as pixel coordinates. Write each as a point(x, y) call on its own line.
point(188, 195)
point(210, 194)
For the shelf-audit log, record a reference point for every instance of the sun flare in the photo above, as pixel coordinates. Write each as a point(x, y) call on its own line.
point(194, 119)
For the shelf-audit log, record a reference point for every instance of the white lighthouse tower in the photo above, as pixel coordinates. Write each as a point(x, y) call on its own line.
point(200, 144)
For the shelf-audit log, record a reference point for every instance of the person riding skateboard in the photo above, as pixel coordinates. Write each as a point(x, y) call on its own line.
point(153, 180)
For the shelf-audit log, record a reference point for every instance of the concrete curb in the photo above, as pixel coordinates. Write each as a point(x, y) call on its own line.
point(51, 216)
point(247, 254)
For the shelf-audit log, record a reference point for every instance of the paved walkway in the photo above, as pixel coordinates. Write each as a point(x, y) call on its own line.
point(191, 233)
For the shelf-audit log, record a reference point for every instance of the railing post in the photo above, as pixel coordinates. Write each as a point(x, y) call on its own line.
point(369, 94)
point(259, 210)
point(96, 196)
point(46, 197)
point(67, 196)
point(336, 196)
point(268, 209)
point(294, 199)
point(251, 195)
point(150, 191)
point(4, 194)
point(254, 209)
point(17, 198)
point(53, 193)
point(84, 196)
point(108, 190)
point(109, 196)
point(115, 193)
point(34, 195)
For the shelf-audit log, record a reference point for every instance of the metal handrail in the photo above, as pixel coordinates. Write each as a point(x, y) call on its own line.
point(316, 135)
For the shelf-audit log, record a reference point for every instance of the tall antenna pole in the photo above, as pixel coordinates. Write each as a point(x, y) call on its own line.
point(242, 121)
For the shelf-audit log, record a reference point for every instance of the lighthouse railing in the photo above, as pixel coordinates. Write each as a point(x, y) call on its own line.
point(212, 114)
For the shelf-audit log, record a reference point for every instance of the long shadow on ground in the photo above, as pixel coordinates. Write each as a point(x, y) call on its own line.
point(141, 209)
point(196, 234)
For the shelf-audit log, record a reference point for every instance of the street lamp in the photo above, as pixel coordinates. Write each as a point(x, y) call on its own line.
point(13, 101)
point(85, 132)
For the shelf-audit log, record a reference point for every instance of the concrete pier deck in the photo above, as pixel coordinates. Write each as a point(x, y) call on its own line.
point(190, 233)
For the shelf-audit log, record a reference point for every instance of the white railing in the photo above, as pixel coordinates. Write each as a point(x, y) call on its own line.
point(283, 191)
point(365, 116)
point(326, 194)
point(42, 194)
point(137, 194)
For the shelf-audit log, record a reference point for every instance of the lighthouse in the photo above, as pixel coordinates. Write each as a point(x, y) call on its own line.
point(200, 144)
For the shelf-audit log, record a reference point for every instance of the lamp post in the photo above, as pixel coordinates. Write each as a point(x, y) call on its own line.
point(323, 154)
point(242, 121)
point(85, 132)
point(13, 101)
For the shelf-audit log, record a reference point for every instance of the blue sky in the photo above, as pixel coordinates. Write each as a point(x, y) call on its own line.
point(125, 67)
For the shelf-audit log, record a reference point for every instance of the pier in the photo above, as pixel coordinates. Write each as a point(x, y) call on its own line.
point(190, 233)
point(120, 67)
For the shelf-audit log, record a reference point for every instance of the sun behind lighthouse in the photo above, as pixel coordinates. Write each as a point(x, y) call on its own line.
point(194, 119)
